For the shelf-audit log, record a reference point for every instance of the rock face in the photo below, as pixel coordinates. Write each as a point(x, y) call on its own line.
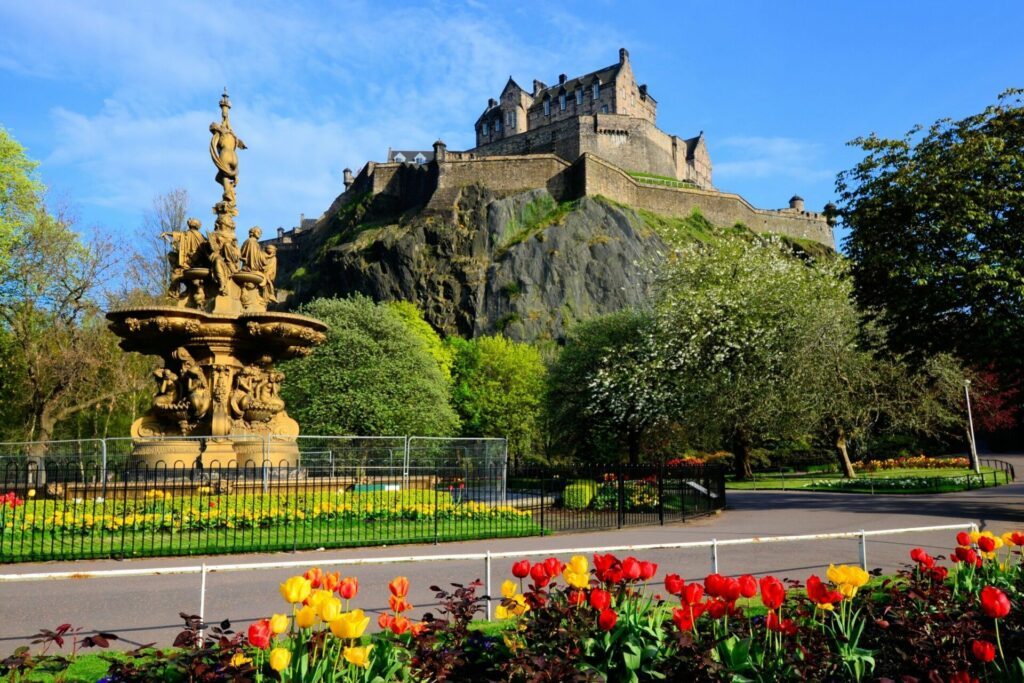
point(522, 265)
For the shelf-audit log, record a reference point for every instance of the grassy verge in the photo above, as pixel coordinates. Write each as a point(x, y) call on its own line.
point(38, 546)
point(903, 481)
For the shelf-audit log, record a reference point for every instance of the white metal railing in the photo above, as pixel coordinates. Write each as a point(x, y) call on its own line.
point(487, 557)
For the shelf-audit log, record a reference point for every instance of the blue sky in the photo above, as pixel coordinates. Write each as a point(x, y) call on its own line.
point(115, 98)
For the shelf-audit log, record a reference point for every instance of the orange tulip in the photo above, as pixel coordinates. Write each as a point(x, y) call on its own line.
point(314, 576)
point(398, 605)
point(399, 587)
point(331, 581)
point(400, 625)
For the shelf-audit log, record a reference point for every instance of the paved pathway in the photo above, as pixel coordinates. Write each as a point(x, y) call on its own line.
point(144, 610)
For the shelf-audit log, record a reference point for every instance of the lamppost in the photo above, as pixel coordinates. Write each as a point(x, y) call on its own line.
point(970, 423)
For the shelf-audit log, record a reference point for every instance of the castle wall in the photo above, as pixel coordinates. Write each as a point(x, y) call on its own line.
point(633, 144)
point(722, 208)
point(506, 174)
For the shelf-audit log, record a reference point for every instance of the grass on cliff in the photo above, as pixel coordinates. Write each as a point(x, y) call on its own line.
point(542, 212)
point(661, 179)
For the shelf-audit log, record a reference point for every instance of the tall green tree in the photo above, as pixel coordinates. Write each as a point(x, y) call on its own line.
point(20, 191)
point(936, 223)
point(372, 376)
point(498, 388)
point(601, 401)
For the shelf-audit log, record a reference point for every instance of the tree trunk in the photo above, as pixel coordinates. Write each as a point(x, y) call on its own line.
point(741, 454)
point(844, 457)
point(633, 447)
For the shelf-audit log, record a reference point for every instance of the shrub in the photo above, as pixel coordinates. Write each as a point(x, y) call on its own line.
point(578, 494)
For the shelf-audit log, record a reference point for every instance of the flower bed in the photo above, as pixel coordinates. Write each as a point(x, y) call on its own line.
point(611, 619)
point(917, 462)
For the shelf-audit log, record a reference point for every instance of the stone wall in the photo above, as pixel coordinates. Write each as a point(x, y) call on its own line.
point(506, 174)
point(722, 208)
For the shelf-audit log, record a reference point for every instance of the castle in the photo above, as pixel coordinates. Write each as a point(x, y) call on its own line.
point(590, 135)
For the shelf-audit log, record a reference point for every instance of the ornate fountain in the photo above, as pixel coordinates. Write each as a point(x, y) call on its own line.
point(218, 341)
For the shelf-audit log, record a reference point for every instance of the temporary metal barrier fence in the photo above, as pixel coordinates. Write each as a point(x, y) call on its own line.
point(487, 557)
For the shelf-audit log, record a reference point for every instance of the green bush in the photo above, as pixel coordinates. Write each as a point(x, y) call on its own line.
point(578, 494)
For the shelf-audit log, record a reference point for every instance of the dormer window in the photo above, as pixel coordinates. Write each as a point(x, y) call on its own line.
point(561, 101)
point(547, 107)
point(579, 97)
point(400, 158)
point(420, 159)
point(487, 129)
point(595, 90)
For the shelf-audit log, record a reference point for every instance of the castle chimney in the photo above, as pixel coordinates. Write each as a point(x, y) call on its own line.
point(796, 202)
point(348, 178)
point(491, 102)
point(561, 79)
point(643, 91)
point(538, 86)
point(623, 55)
point(280, 234)
point(440, 151)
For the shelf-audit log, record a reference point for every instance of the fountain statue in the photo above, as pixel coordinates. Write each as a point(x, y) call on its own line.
point(218, 340)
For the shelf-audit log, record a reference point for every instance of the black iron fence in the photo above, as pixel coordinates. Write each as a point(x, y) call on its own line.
point(85, 509)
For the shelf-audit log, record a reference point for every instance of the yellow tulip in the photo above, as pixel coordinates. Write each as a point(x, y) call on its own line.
point(278, 623)
point(330, 609)
point(578, 564)
point(359, 656)
point(296, 589)
point(305, 617)
point(975, 535)
point(317, 597)
point(575, 579)
point(508, 589)
point(279, 659)
point(239, 659)
point(847, 578)
point(350, 624)
point(1007, 538)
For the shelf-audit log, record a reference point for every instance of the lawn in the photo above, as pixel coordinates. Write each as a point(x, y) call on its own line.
point(904, 480)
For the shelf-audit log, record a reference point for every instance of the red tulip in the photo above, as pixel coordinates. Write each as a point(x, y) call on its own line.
point(1017, 538)
point(939, 574)
point(349, 587)
point(966, 555)
point(772, 592)
point(718, 608)
point(963, 538)
point(674, 584)
point(730, 589)
point(820, 594)
point(748, 586)
point(922, 558)
point(713, 584)
point(994, 602)
point(683, 619)
point(576, 597)
point(692, 594)
point(259, 634)
point(606, 620)
point(785, 626)
point(399, 586)
point(648, 570)
point(521, 569)
point(600, 599)
point(987, 543)
point(983, 651)
point(539, 574)
point(384, 621)
point(603, 564)
point(631, 569)
point(553, 567)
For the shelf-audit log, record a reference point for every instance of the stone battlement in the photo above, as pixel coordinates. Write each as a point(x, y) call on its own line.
point(435, 185)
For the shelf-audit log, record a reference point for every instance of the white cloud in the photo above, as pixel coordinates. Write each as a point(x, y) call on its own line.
point(769, 157)
point(315, 89)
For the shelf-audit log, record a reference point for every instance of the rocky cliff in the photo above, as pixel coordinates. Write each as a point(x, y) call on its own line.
point(523, 265)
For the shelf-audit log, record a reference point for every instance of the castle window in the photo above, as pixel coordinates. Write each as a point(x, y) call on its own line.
point(400, 158)
point(547, 106)
point(487, 129)
point(510, 120)
point(497, 125)
point(579, 96)
point(595, 90)
point(420, 159)
point(604, 108)
point(561, 101)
